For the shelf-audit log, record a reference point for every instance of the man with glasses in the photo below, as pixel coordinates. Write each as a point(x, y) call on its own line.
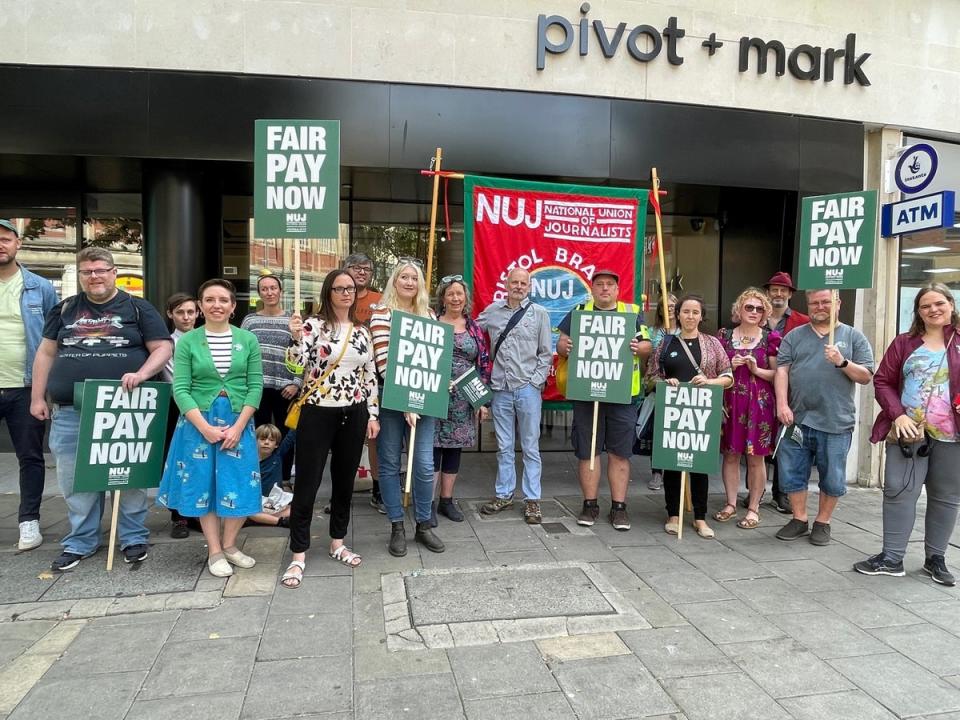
point(815, 383)
point(25, 299)
point(102, 333)
point(360, 267)
point(522, 354)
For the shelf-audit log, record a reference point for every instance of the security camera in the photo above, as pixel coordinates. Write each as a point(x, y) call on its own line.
point(696, 224)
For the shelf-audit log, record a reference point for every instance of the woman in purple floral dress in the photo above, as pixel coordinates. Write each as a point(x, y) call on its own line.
point(750, 423)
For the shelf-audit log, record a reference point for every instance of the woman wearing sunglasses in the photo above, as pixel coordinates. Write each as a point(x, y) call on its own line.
point(459, 430)
point(918, 389)
point(406, 291)
point(750, 423)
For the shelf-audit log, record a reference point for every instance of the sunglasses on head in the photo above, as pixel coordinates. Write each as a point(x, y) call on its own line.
point(410, 261)
point(451, 278)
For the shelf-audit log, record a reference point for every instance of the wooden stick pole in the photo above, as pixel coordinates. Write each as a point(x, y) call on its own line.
point(593, 438)
point(433, 216)
point(113, 529)
point(409, 483)
point(684, 481)
point(664, 293)
point(296, 276)
point(833, 314)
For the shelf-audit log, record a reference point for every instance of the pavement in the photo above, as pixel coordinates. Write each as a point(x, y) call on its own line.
point(512, 621)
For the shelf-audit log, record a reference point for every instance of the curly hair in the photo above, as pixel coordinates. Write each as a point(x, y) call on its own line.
point(750, 292)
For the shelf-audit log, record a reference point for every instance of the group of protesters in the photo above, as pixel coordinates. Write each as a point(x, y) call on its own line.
point(789, 382)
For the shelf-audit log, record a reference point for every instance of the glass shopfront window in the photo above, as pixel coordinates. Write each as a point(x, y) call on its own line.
point(115, 221)
point(49, 245)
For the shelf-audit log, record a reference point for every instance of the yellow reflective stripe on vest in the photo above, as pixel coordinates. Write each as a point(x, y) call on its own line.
point(622, 307)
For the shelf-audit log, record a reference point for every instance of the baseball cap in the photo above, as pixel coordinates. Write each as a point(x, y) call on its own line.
point(609, 273)
point(9, 226)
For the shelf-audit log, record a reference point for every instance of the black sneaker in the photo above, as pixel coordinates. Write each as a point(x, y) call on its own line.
point(936, 567)
point(179, 530)
point(793, 530)
point(879, 565)
point(376, 502)
point(588, 516)
point(619, 518)
point(66, 561)
point(820, 534)
point(781, 503)
point(135, 553)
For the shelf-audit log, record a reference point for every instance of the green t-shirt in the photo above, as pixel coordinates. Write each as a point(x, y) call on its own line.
point(13, 338)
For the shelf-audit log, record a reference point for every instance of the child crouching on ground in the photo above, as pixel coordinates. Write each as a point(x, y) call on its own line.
point(272, 449)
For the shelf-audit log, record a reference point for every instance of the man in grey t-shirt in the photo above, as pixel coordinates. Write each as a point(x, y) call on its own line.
point(814, 386)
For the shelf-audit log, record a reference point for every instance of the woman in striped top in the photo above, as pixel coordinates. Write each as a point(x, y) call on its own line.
point(339, 413)
point(406, 291)
point(212, 470)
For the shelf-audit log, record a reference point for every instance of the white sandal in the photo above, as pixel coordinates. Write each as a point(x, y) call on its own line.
point(345, 555)
point(289, 575)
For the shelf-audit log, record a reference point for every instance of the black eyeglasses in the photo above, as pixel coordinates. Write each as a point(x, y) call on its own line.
point(410, 261)
point(345, 290)
point(360, 268)
point(99, 272)
point(451, 278)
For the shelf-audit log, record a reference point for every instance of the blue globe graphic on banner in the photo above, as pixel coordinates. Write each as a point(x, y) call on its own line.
point(559, 290)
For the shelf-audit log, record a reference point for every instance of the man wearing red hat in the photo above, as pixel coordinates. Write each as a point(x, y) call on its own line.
point(780, 289)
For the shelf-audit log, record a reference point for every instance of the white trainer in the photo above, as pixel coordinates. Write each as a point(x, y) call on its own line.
point(30, 536)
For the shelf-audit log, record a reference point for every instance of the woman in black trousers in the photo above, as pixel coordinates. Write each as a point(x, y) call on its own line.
point(339, 412)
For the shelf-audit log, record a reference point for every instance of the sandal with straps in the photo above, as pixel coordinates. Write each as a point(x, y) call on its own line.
point(750, 523)
point(724, 515)
point(292, 579)
point(345, 555)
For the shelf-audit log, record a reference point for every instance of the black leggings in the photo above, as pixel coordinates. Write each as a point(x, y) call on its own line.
point(273, 409)
point(337, 431)
point(447, 460)
point(699, 485)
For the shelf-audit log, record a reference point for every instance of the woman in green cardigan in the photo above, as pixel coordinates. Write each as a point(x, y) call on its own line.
point(213, 469)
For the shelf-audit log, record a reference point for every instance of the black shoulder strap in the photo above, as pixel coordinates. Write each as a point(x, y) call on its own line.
point(511, 324)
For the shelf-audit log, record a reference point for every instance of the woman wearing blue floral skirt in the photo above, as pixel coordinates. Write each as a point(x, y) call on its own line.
point(213, 469)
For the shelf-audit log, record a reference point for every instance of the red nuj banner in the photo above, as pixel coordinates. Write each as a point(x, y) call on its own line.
point(561, 234)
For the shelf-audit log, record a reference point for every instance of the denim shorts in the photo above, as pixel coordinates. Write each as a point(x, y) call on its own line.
point(828, 451)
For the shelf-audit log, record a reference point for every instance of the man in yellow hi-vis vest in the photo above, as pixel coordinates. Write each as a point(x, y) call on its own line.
point(616, 423)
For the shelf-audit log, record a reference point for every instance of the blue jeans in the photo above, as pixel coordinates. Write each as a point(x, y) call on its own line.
point(393, 433)
point(85, 510)
point(827, 450)
point(26, 433)
point(518, 408)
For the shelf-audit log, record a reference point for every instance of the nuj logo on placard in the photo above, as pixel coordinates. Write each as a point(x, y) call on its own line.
point(833, 276)
point(297, 222)
point(118, 474)
point(685, 459)
point(417, 399)
point(598, 388)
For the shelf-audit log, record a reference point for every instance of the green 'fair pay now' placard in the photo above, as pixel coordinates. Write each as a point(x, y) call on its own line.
point(296, 179)
point(601, 364)
point(686, 431)
point(121, 435)
point(837, 238)
point(419, 360)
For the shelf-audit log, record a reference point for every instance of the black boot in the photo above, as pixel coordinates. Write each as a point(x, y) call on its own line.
point(398, 539)
point(426, 537)
point(449, 509)
point(433, 515)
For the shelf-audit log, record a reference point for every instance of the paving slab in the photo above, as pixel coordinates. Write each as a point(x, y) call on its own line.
point(170, 567)
point(945, 613)
point(512, 558)
point(836, 706)
point(25, 577)
point(784, 668)
point(305, 636)
point(727, 565)
point(285, 688)
point(927, 645)
point(116, 649)
point(375, 662)
point(581, 647)
point(93, 697)
point(459, 554)
point(866, 609)
point(421, 696)
point(809, 575)
point(723, 697)
point(502, 594)
point(828, 635)
point(729, 621)
point(326, 595)
point(677, 652)
point(604, 688)
point(688, 586)
point(643, 560)
point(501, 536)
point(654, 609)
point(17, 637)
point(219, 706)
point(771, 596)
point(902, 590)
point(900, 684)
point(495, 670)
point(547, 706)
point(577, 547)
point(234, 617)
point(195, 667)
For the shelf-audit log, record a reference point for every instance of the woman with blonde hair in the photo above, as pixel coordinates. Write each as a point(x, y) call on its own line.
point(750, 422)
point(406, 291)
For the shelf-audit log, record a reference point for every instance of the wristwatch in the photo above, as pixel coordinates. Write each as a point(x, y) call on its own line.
point(842, 365)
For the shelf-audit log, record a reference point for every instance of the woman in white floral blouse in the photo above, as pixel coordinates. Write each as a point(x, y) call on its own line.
point(339, 413)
